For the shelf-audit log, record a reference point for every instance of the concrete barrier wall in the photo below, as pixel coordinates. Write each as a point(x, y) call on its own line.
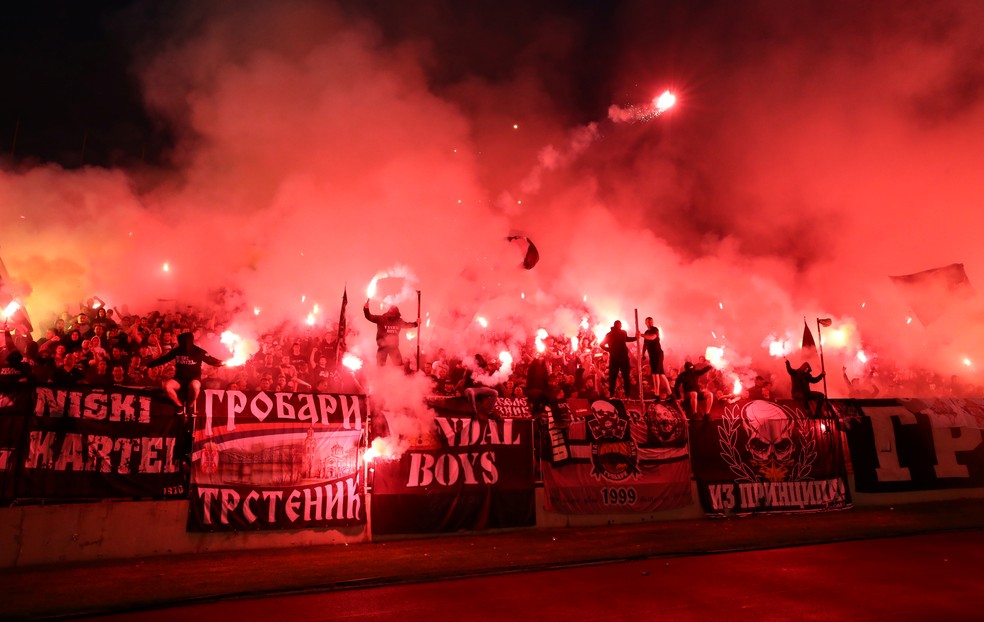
point(81, 532)
point(54, 534)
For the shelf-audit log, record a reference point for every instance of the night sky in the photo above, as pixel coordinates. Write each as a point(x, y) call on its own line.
point(816, 149)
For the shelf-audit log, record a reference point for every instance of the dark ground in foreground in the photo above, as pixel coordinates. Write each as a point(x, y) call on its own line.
point(126, 585)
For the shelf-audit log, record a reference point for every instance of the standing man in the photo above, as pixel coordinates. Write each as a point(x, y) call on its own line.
point(654, 352)
point(616, 344)
point(388, 328)
point(188, 359)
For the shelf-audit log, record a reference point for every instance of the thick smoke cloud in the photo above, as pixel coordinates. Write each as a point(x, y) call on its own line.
point(815, 150)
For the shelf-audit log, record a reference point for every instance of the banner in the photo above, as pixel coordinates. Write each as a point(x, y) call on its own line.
point(468, 472)
point(915, 444)
point(94, 443)
point(614, 457)
point(758, 456)
point(16, 402)
point(274, 461)
point(512, 407)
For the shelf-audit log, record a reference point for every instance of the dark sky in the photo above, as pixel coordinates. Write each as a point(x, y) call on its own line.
point(68, 82)
point(71, 82)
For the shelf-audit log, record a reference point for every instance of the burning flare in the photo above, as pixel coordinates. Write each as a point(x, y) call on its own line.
point(240, 347)
point(10, 309)
point(396, 272)
point(664, 102)
point(715, 356)
point(352, 362)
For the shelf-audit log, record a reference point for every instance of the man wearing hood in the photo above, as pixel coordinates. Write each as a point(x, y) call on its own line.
point(801, 378)
point(388, 328)
point(687, 388)
point(183, 389)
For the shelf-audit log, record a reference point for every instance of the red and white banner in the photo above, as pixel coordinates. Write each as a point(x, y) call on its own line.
point(268, 461)
point(611, 457)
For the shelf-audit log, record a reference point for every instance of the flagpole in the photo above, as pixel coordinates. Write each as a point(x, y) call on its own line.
point(638, 356)
point(418, 330)
point(823, 369)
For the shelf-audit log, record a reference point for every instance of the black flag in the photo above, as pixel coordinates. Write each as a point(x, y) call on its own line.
point(340, 341)
point(532, 255)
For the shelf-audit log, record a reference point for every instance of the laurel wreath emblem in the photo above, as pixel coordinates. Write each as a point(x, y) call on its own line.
point(728, 442)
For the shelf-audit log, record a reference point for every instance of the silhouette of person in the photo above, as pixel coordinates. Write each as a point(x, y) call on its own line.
point(389, 325)
point(801, 379)
point(183, 389)
point(615, 343)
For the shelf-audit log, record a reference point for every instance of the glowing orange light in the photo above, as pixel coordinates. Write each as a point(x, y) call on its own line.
point(10, 309)
point(352, 361)
point(777, 348)
point(838, 337)
point(665, 101)
point(715, 356)
point(381, 448)
point(482, 321)
point(600, 330)
point(240, 348)
point(166, 267)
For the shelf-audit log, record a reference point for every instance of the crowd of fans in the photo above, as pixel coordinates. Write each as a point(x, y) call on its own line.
point(103, 347)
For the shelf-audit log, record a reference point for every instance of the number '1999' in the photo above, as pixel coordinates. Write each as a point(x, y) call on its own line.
point(618, 496)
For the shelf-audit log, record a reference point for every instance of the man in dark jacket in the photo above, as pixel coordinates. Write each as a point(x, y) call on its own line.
point(388, 328)
point(15, 369)
point(183, 389)
point(801, 379)
point(687, 388)
point(616, 344)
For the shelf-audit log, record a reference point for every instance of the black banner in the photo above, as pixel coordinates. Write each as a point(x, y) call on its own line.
point(468, 473)
point(15, 408)
point(273, 461)
point(760, 456)
point(915, 444)
point(85, 443)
